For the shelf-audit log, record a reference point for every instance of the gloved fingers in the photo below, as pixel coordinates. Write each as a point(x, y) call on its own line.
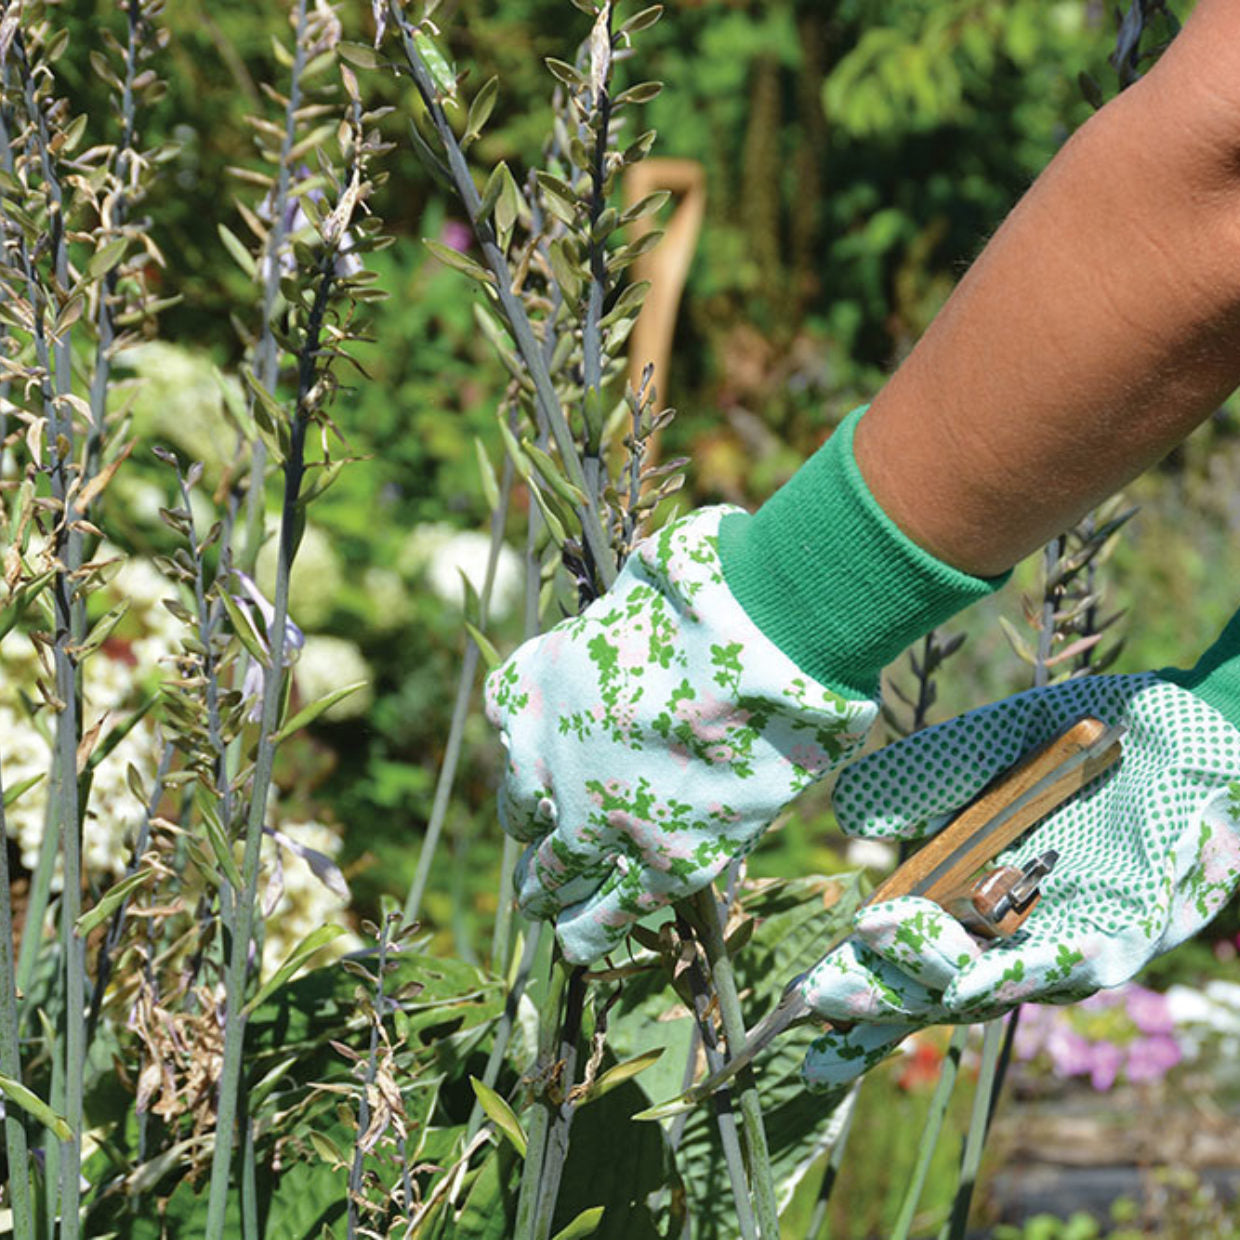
point(910, 789)
point(836, 1058)
point(918, 937)
point(855, 984)
point(1057, 965)
point(615, 894)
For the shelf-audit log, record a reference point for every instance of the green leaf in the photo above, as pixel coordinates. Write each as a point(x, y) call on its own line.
point(490, 656)
point(641, 21)
point(359, 54)
point(458, 261)
point(520, 462)
point(116, 895)
point(244, 628)
point(480, 109)
point(310, 946)
point(550, 473)
point(35, 1107)
point(567, 274)
point(585, 1224)
point(308, 714)
point(558, 197)
point(500, 1114)
point(491, 191)
point(566, 73)
point(437, 65)
point(236, 247)
point(622, 1072)
point(486, 473)
point(499, 342)
point(107, 257)
point(101, 631)
point(217, 837)
point(12, 793)
point(326, 1149)
point(643, 92)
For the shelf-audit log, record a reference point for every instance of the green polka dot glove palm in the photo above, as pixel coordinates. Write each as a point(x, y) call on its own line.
point(734, 662)
point(1148, 854)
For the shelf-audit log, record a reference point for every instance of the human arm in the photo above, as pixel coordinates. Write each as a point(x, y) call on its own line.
point(1099, 326)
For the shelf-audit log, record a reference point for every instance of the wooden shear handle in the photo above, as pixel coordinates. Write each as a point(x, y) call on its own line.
point(944, 869)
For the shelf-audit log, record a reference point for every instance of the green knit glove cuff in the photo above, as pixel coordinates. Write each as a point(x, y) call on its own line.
point(831, 579)
point(1216, 677)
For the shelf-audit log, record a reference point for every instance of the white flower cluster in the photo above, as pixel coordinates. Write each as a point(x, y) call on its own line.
point(441, 553)
point(114, 814)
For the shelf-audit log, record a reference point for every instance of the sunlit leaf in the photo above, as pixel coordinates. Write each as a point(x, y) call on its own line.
point(500, 1114)
point(35, 1107)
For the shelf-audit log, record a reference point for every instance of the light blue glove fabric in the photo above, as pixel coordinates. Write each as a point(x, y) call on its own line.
point(651, 739)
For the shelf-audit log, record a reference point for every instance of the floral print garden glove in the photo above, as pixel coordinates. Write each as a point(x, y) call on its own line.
point(1148, 855)
point(734, 662)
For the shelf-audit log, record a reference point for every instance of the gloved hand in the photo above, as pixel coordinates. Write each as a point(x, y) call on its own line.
point(734, 662)
point(652, 738)
point(1148, 855)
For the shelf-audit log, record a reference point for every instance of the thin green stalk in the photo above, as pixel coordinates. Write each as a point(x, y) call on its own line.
point(446, 778)
point(267, 354)
point(933, 1129)
point(721, 1100)
point(758, 1158)
point(501, 935)
point(16, 1150)
point(39, 897)
point(561, 1124)
point(554, 986)
point(237, 970)
point(546, 401)
point(975, 1140)
point(372, 1070)
point(503, 1031)
point(818, 1228)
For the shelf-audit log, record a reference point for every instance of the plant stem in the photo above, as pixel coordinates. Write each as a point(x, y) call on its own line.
point(372, 1070)
point(758, 1155)
point(932, 1131)
point(975, 1140)
point(557, 1137)
point(540, 1120)
point(503, 1031)
point(721, 1100)
point(460, 710)
point(16, 1151)
point(818, 1224)
point(546, 401)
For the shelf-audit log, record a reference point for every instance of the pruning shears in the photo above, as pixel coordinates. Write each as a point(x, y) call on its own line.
point(954, 870)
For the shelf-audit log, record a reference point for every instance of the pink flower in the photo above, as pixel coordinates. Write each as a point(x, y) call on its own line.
point(1151, 1058)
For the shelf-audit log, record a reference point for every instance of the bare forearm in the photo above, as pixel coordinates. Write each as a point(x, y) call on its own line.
point(1099, 326)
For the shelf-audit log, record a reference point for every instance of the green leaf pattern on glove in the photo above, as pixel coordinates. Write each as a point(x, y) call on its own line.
point(652, 738)
point(1148, 854)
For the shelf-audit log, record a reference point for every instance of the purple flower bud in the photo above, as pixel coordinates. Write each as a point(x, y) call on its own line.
point(456, 236)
